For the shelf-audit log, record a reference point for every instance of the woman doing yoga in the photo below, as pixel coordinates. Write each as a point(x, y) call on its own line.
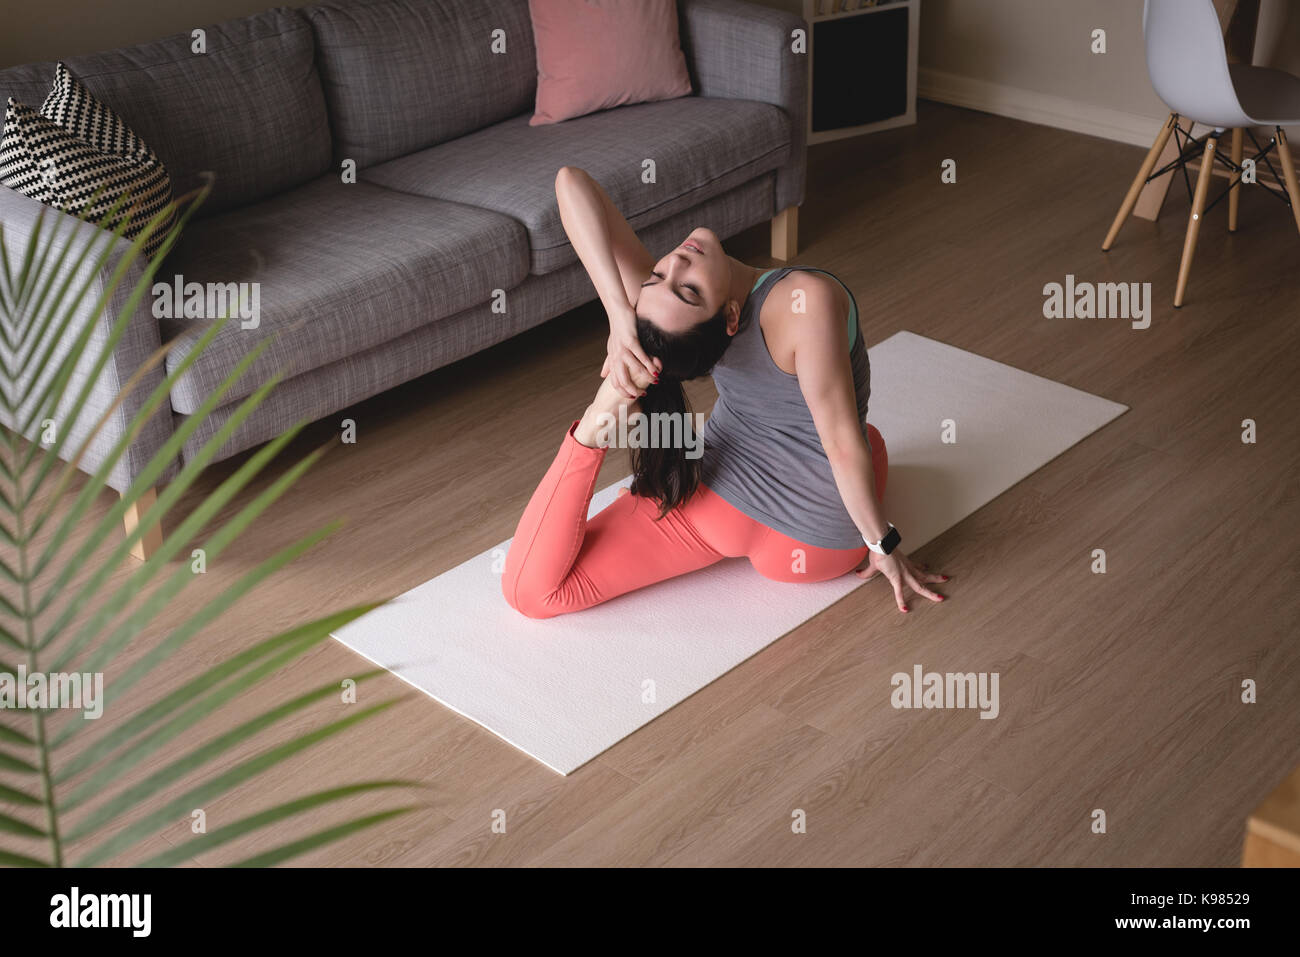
point(791, 476)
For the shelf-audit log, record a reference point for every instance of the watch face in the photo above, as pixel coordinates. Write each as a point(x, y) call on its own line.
point(890, 541)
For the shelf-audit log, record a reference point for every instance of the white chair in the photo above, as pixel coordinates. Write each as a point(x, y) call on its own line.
point(1189, 68)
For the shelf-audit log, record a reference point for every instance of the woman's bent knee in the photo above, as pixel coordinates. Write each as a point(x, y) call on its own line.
point(529, 602)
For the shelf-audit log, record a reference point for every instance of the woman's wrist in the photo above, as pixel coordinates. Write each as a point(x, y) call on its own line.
point(589, 429)
point(622, 317)
point(870, 536)
point(603, 410)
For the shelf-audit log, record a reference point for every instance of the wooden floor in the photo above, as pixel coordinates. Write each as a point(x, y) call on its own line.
point(1118, 691)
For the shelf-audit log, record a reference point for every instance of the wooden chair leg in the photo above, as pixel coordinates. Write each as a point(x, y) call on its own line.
point(1234, 197)
point(785, 234)
point(1140, 180)
point(1288, 173)
point(1194, 220)
point(148, 543)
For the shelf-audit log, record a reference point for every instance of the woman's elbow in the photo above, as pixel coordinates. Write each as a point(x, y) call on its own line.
point(567, 173)
point(846, 451)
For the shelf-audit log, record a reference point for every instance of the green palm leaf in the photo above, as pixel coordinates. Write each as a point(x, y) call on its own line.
point(19, 860)
point(199, 710)
point(14, 796)
point(45, 401)
point(31, 332)
point(328, 836)
point(57, 341)
point(172, 811)
point(10, 763)
point(9, 735)
point(256, 822)
point(163, 650)
point(194, 521)
point(12, 825)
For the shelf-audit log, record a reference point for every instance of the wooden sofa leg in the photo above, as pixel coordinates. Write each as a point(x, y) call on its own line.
point(152, 539)
point(785, 234)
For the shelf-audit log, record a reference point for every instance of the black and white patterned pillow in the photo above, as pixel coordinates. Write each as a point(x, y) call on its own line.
point(76, 145)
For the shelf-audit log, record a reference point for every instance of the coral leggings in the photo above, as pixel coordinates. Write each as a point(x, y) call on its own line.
point(561, 561)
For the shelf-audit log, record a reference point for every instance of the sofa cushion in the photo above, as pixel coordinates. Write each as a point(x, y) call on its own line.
point(339, 268)
point(700, 146)
point(76, 155)
point(401, 75)
point(597, 56)
point(326, 389)
point(250, 109)
point(77, 110)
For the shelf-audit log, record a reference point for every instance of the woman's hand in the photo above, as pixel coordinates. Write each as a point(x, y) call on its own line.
point(900, 570)
point(608, 401)
point(626, 362)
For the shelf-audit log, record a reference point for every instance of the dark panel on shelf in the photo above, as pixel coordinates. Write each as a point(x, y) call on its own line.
point(859, 69)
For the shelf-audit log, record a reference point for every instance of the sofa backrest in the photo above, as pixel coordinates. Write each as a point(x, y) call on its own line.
point(250, 109)
point(403, 75)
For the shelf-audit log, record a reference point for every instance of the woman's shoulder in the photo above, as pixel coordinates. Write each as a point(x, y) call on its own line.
point(804, 291)
point(801, 304)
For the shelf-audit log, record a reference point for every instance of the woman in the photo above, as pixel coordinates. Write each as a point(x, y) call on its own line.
point(791, 476)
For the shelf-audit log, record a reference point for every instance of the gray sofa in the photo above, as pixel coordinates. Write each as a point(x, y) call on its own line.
point(449, 240)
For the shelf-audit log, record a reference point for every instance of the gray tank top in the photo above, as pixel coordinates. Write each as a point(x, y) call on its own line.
point(762, 453)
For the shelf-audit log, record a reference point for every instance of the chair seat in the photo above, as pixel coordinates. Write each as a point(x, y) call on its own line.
point(341, 268)
point(701, 147)
point(1269, 97)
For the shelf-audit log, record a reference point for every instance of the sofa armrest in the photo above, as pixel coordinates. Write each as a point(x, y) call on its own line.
point(19, 216)
point(744, 51)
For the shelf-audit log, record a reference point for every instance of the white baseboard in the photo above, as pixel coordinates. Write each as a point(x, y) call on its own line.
point(1021, 104)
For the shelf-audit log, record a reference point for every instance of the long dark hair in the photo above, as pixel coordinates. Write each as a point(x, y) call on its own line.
point(666, 474)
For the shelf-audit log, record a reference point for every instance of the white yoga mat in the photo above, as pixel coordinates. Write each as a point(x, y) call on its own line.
point(564, 689)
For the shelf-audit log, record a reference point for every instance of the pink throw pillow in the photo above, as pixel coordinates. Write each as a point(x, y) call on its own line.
point(597, 54)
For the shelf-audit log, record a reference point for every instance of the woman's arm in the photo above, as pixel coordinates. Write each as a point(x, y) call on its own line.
point(617, 262)
point(821, 361)
point(821, 357)
point(613, 256)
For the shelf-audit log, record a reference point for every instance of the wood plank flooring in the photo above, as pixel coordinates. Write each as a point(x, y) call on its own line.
point(1118, 691)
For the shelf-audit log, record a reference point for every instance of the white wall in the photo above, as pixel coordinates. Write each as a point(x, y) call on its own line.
point(1031, 59)
point(50, 29)
point(1023, 58)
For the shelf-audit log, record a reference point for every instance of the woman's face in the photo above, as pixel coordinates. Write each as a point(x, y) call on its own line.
point(689, 285)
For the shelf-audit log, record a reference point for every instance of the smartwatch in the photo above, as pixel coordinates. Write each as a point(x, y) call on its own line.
point(886, 544)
